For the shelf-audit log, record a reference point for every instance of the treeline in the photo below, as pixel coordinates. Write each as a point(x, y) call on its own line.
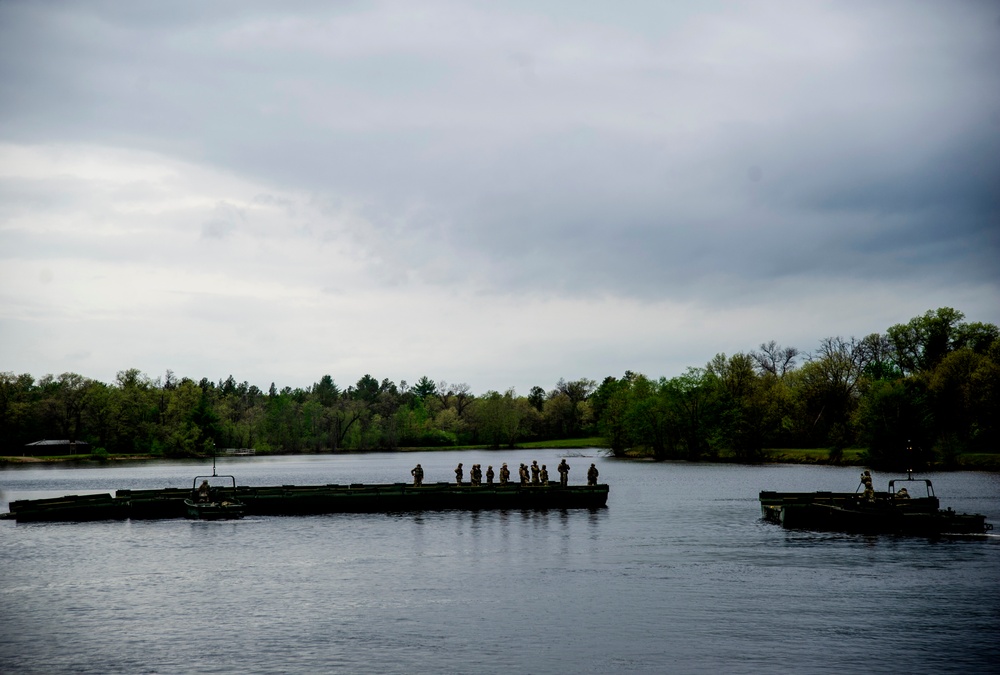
point(923, 391)
point(175, 417)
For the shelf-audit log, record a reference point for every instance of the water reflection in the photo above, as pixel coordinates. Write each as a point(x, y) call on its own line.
point(677, 574)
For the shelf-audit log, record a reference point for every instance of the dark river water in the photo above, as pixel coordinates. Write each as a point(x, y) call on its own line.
point(678, 575)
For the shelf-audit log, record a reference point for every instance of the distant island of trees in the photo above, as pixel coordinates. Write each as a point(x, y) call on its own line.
point(922, 392)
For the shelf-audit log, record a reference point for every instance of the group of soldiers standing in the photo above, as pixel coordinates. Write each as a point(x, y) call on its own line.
point(528, 475)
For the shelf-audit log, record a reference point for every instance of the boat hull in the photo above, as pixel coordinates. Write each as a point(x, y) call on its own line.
point(292, 500)
point(849, 512)
point(71, 508)
point(213, 510)
point(359, 498)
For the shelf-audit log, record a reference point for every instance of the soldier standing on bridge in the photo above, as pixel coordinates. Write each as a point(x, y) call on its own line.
point(489, 475)
point(418, 475)
point(504, 474)
point(459, 473)
point(563, 472)
point(592, 474)
point(534, 473)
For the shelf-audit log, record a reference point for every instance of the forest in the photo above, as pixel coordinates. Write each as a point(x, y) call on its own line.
point(921, 392)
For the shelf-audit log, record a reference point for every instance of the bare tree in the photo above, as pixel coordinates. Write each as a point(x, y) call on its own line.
point(843, 362)
point(775, 359)
point(463, 397)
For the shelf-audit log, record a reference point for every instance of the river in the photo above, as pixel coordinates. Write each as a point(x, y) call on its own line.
point(678, 574)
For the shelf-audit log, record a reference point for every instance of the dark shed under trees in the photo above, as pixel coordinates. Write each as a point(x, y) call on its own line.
point(57, 448)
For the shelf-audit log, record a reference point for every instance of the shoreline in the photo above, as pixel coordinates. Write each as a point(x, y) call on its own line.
point(989, 462)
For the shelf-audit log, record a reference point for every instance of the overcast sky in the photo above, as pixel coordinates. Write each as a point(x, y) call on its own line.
point(496, 193)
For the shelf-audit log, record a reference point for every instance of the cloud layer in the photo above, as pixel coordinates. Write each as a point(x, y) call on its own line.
point(503, 195)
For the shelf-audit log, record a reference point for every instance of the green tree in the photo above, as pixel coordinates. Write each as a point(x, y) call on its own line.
point(565, 409)
point(963, 394)
point(367, 389)
point(924, 341)
point(424, 388)
point(63, 405)
point(895, 423)
point(182, 435)
point(611, 401)
point(16, 404)
point(500, 418)
point(746, 414)
point(691, 399)
point(651, 421)
point(326, 391)
point(537, 398)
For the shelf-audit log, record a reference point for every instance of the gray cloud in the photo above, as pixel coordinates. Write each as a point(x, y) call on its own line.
point(663, 154)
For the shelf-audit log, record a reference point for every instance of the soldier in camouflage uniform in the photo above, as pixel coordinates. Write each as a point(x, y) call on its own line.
point(459, 473)
point(563, 473)
point(504, 474)
point(418, 475)
point(489, 475)
point(543, 476)
point(592, 474)
point(534, 473)
point(866, 480)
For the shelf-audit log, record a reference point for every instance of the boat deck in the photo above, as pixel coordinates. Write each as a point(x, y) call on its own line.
point(314, 499)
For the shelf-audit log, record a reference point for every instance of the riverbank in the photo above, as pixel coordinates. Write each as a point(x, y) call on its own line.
point(851, 457)
point(817, 456)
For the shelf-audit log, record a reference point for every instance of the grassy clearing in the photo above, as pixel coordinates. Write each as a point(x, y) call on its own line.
point(982, 461)
point(569, 443)
point(28, 459)
point(68, 459)
point(849, 456)
point(594, 442)
point(979, 461)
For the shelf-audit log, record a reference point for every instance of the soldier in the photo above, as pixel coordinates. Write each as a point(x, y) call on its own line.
point(476, 475)
point(522, 473)
point(866, 480)
point(563, 472)
point(534, 473)
point(543, 476)
point(203, 491)
point(489, 475)
point(418, 475)
point(592, 474)
point(902, 493)
point(504, 474)
point(459, 473)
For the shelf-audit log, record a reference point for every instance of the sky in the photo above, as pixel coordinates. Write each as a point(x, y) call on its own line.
point(501, 194)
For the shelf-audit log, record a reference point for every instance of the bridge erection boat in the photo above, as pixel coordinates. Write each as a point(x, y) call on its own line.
point(213, 503)
point(894, 511)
